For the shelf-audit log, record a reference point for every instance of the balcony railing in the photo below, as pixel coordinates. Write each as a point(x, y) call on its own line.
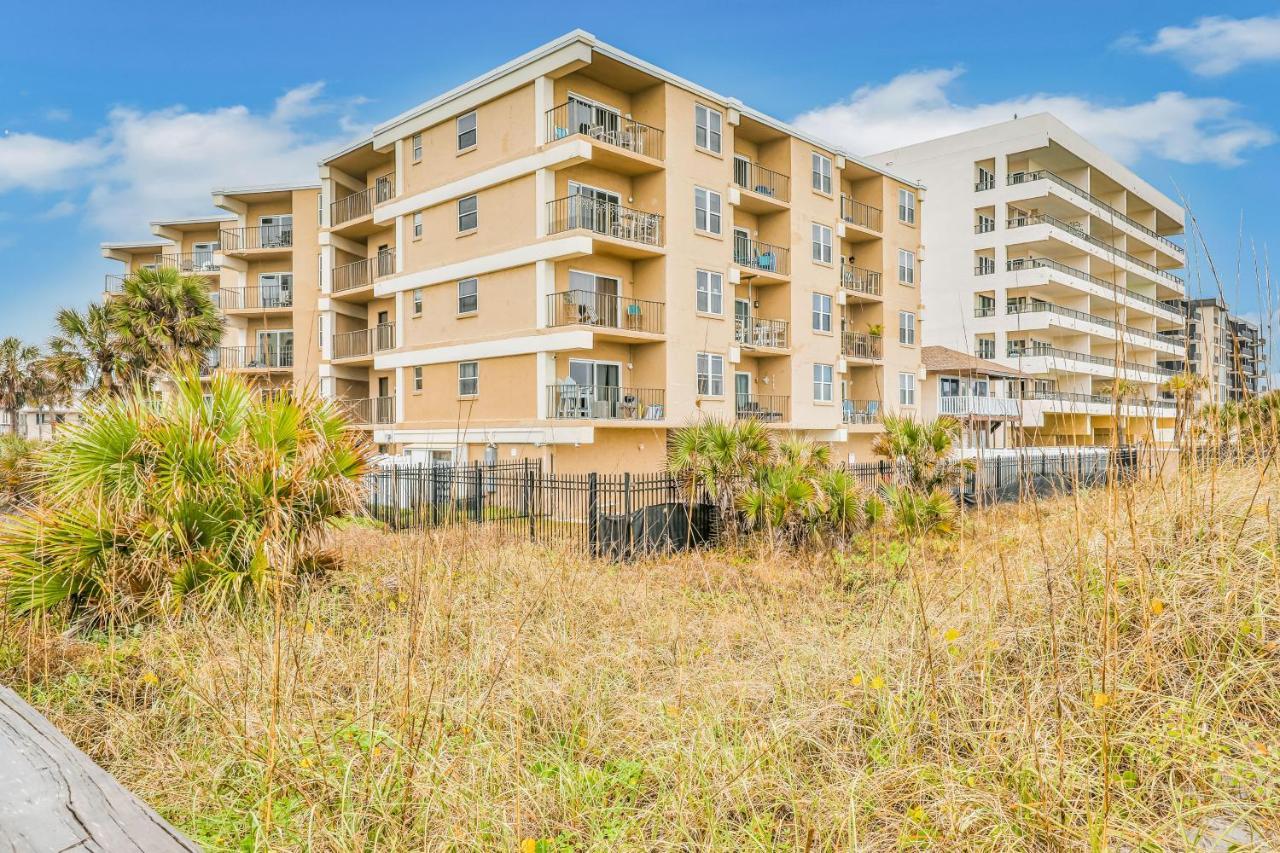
point(613, 129)
point(971, 404)
point(370, 410)
point(1103, 399)
point(1041, 351)
point(755, 332)
point(257, 298)
point(362, 203)
point(113, 283)
point(569, 400)
point(1017, 264)
point(189, 262)
point(861, 345)
point(861, 411)
point(762, 181)
point(863, 215)
point(604, 217)
point(589, 308)
point(988, 183)
point(257, 237)
point(765, 257)
point(1032, 307)
point(1024, 219)
point(256, 357)
point(984, 311)
point(362, 273)
point(769, 408)
point(1044, 174)
point(364, 342)
point(858, 280)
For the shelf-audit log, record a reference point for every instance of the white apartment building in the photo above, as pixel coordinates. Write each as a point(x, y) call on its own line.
point(1050, 257)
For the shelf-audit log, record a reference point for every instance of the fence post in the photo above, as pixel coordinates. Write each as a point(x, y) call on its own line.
point(479, 495)
point(593, 509)
point(434, 495)
point(626, 504)
point(528, 500)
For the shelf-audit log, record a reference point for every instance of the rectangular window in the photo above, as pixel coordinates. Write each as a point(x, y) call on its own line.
point(906, 389)
point(906, 267)
point(821, 173)
point(985, 265)
point(468, 296)
point(822, 376)
point(821, 243)
point(710, 292)
point(986, 224)
point(706, 128)
point(710, 374)
point(985, 347)
point(417, 378)
point(906, 328)
point(416, 140)
point(706, 210)
point(907, 207)
point(468, 378)
point(468, 213)
point(821, 312)
point(467, 131)
point(417, 225)
point(417, 301)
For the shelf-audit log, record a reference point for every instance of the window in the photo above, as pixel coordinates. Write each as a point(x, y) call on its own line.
point(985, 265)
point(467, 131)
point(986, 224)
point(468, 213)
point(417, 378)
point(906, 389)
point(822, 173)
point(319, 210)
point(822, 376)
point(275, 290)
point(710, 292)
point(468, 378)
point(821, 312)
point(416, 141)
point(984, 347)
point(821, 243)
point(906, 328)
point(906, 267)
point(907, 207)
point(706, 210)
point(320, 272)
point(706, 128)
point(417, 301)
point(710, 374)
point(986, 179)
point(417, 225)
point(468, 296)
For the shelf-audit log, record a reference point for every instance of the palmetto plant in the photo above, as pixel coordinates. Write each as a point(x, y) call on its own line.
point(22, 379)
point(721, 457)
point(1184, 387)
point(220, 495)
point(924, 451)
point(164, 320)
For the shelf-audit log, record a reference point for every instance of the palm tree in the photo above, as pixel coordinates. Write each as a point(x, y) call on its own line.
point(924, 450)
point(22, 378)
point(1185, 388)
point(86, 352)
point(165, 321)
point(722, 457)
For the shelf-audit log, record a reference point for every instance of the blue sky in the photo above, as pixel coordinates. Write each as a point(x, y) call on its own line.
point(144, 107)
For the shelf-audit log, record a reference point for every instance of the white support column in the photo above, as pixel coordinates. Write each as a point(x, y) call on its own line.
point(544, 284)
point(544, 190)
point(544, 374)
point(544, 93)
point(400, 394)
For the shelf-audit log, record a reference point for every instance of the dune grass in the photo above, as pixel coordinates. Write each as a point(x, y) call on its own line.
point(1090, 671)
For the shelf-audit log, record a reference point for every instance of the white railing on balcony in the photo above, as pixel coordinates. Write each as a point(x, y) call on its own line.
point(971, 405)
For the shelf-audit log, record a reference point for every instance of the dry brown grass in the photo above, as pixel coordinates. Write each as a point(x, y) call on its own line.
point(1100, 670)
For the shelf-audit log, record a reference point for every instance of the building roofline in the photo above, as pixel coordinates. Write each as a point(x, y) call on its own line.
point(265, 188)
point(193, 221)
point(136, 244)
point(353, 145)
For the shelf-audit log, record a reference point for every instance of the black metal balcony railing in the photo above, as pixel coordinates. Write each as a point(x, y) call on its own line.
point(257, 237)
point(364, 342)
point(760, 180)
point(1044, 174)
point(1023, 219)
point(861, 411)
point(567, 399)
point(604, 217)
point(1035, 306)
point(859, 280)
point(589, 308)
point(370, 410)
point(189, 262)
point(756, 332)
point(861, 345)
point(765, 257)
point(257, 298)
point(362, 203)
point(113, 283)
point(362, 273)
point(861, 214)
point(610, 128)
point(256, 357)
point(769, 408)
point(1157, 305)
point(1012, 350)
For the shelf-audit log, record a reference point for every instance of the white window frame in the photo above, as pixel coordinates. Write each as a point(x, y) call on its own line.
point(906, 267)
point(710, 292)
point(417, 377)
point(416, 221)
point(281, 282)
point(906, 389)
point(821, 167)
point(708, 123)
point(474, 213)
point(473, 284)
point(415, 147)
point(417, 301)
point(820, 312)
point(906, 206)
point(907, 328)
point(474, 130)
point(709, 205)
point(473, 379)
point(823, 381)
point(821, 236)
point(709, 368)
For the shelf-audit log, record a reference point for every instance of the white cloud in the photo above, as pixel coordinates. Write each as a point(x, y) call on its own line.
point(1213, 46)
point(916, 106)
point(32, 162)
point(60, 210)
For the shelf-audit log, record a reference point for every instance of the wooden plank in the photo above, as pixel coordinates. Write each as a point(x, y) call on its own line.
point(53, 797)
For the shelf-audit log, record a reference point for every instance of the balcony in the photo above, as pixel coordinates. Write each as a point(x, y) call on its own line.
point(1154, 339)
point(861, 412)
point(766, 191)
point(972, 406)
point(628, 233)
point(568, 400)
point(767, 408)
point(861, 346)
point(771, 264)
point(256, 358)
point(1153, 306)
point(860, 282)
point(369, 410)
point(1105, 404)
point(1107, 366)
point(631, 317)
point(619, 144)
point(1024, 220)
point(257, 239)
point(353, 214)
point(113, 283)
point(363, 343)
point(259, 298)
point(349, 279)
point(193, 263)
point(762, 334)
point(861, 215)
